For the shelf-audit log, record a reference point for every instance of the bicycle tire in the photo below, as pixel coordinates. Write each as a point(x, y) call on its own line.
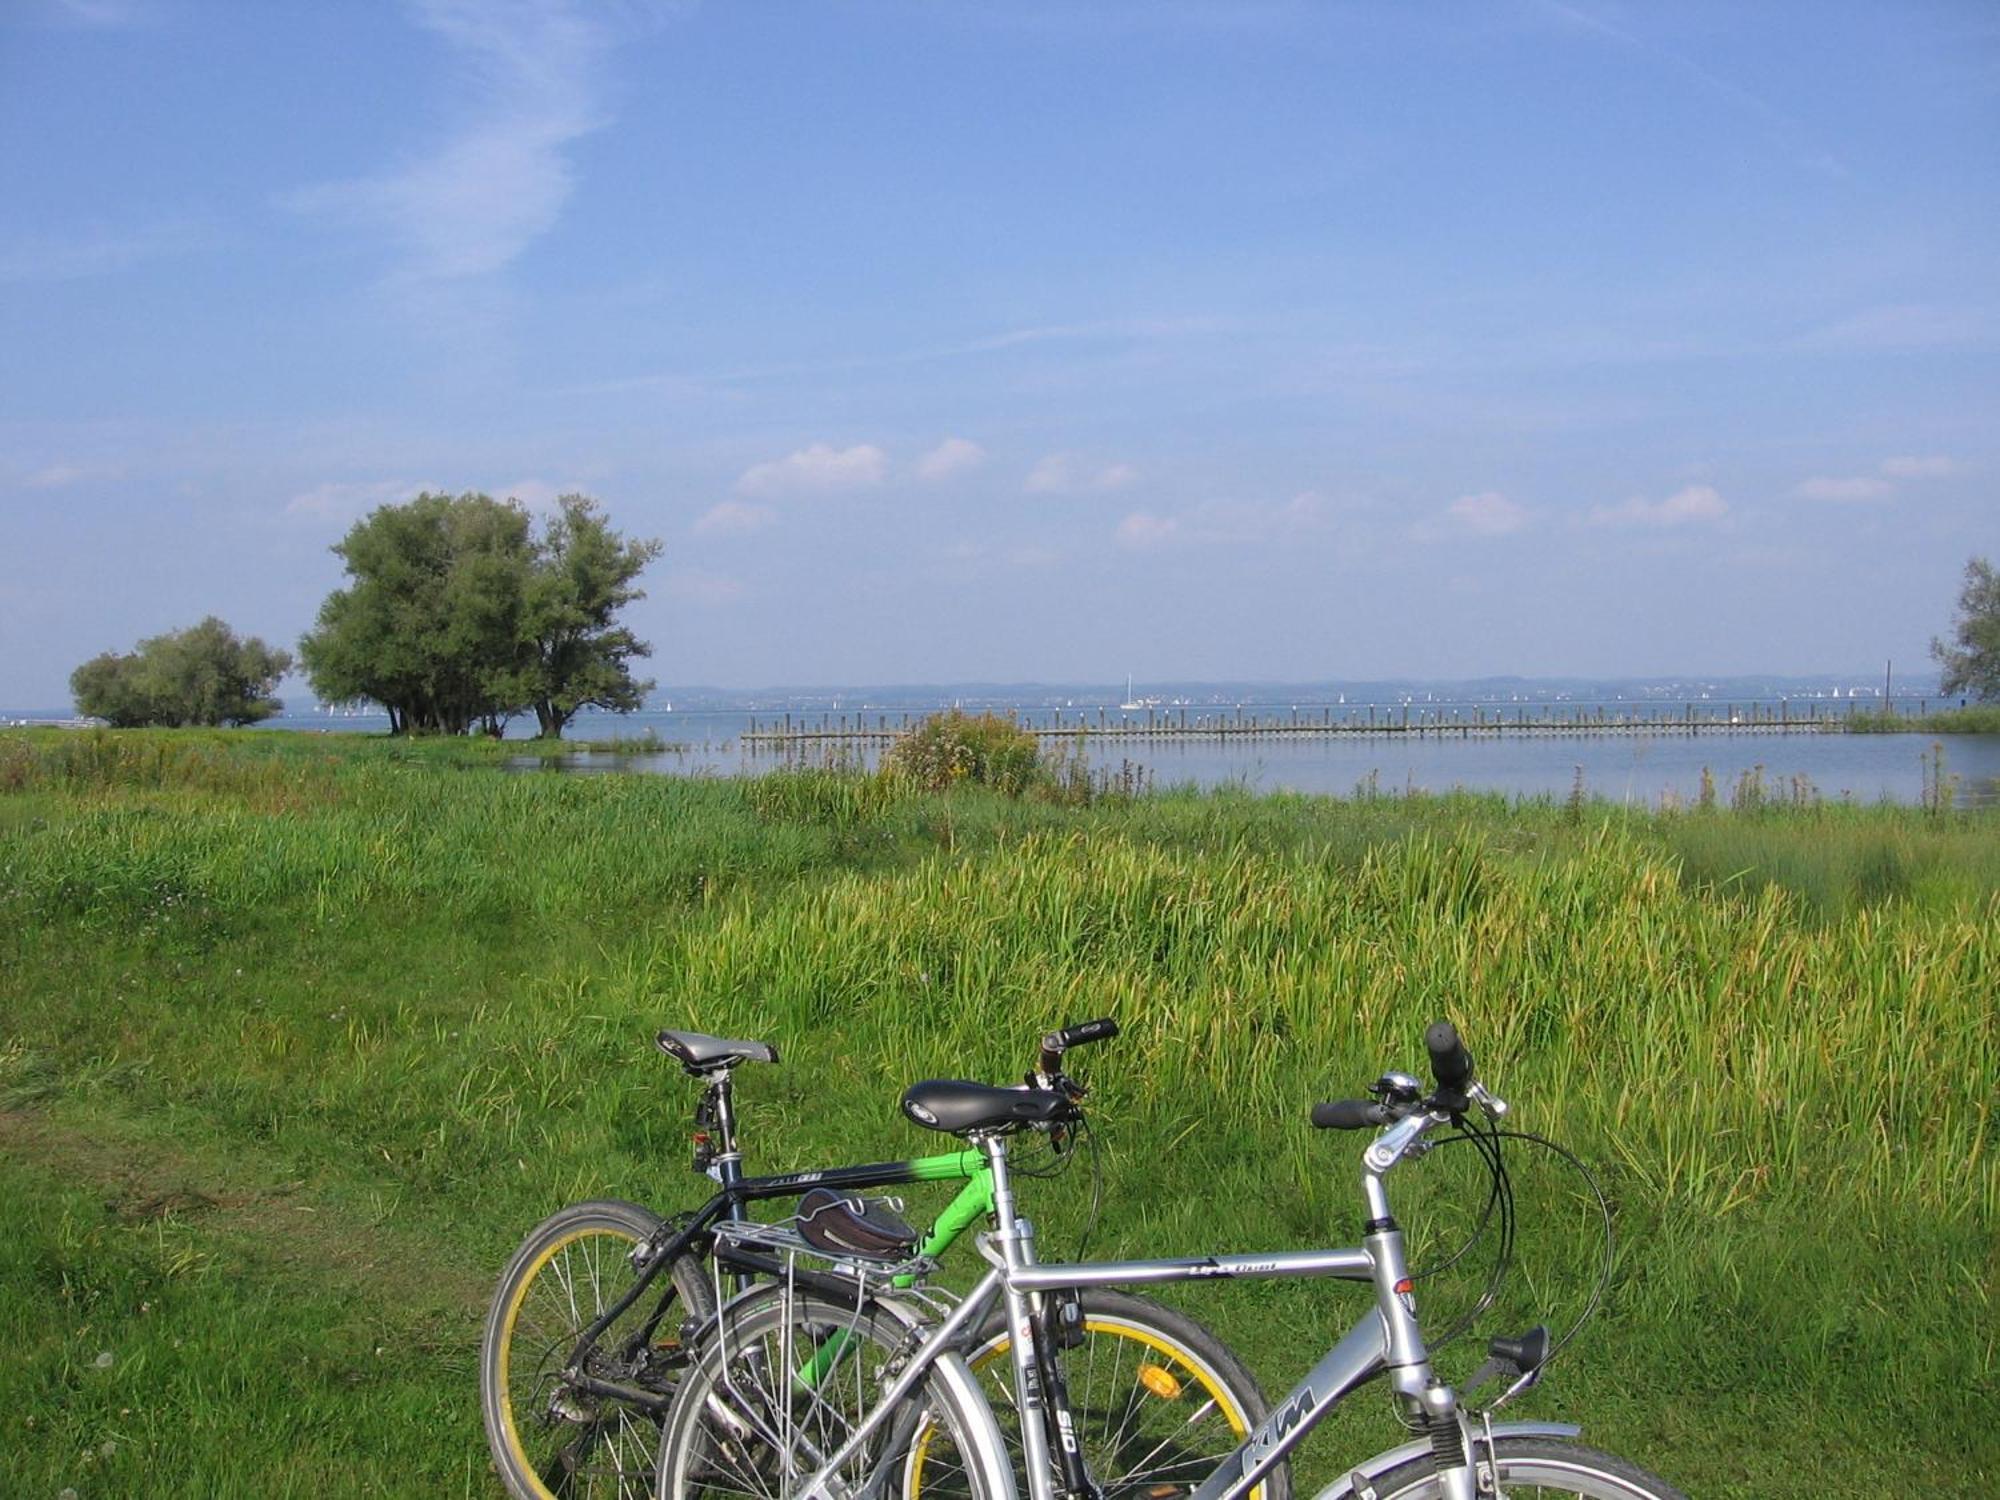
point(1157, 1399)
point(1529, 1466)
point(734, 1434)
point(548, 1440)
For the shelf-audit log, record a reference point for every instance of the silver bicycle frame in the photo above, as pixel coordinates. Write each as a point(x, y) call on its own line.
point(1387, 1338)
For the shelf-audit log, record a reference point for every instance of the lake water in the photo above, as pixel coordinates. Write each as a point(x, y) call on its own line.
point(1637, 767)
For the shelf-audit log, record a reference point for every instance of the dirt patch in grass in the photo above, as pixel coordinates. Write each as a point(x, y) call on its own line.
point(280, 1223)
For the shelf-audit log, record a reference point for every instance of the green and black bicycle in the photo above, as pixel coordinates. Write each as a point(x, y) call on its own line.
point(588, 1333)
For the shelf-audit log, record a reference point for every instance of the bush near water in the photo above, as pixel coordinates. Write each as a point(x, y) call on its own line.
point(302, 1033)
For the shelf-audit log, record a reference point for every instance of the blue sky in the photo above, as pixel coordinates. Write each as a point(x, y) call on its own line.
point(947, 341)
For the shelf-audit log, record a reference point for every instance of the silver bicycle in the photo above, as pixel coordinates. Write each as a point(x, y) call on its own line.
point(898, 1416)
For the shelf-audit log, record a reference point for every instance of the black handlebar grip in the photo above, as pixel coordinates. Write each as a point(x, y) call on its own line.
point(1101, 1030)
point(1451, 1064)
point(1348, 1114)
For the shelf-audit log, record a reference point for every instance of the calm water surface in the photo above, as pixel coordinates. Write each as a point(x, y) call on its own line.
point(1626, 767)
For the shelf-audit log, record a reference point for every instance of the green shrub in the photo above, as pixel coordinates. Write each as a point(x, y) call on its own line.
point(954, 747)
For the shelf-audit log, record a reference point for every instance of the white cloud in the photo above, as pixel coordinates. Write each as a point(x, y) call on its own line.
point(1695, 505)
point(1906, 326)
point(1488, 513)
point(472, 203)
point(955, 455)
point(350, 501)
point(97, 252)
point(57, 477)
point(1935, 467)
point(1859, 488)
point(1144, 529)
point(817, 470)
point(703, 590)
point(734, 516)
point(539, 495)
point(1066, 474)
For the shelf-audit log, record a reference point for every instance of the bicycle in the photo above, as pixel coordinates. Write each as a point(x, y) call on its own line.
point(578, 1364)
point(737, 1426)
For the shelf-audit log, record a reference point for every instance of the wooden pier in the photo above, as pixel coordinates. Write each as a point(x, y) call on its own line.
point(1193, 723)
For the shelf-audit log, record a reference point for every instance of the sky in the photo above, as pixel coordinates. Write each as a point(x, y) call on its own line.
point(1028, 341)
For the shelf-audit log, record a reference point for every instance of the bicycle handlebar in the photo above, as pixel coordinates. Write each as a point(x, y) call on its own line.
point(1055, 1043)
point(1397, 1093)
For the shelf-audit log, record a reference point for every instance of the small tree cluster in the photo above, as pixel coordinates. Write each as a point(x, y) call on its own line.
point(204, 675)
point(460, 614)
point(1971, 657)
point(950, 748)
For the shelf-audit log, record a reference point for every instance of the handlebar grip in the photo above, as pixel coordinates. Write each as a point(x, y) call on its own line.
point(1055, 1043)
point(1348, 1114)
point(1100, 1030)
point(1451, 1064)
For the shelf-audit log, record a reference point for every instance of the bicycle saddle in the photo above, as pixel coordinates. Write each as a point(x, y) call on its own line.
point(704, 1054)
point(957, 1107)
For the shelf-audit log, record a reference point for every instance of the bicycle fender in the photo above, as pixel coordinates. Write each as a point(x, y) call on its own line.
point(989, 1448)
point(1382, 1463)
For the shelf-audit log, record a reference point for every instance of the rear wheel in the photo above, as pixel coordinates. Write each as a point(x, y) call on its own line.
point(1527, 1467)
point(550, 1437)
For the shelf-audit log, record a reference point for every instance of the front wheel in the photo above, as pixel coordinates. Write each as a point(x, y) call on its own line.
point(782, 1381)
point(1524, 1467)
point(549, 1436)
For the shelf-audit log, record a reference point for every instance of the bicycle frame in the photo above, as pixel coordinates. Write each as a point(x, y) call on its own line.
point(736, 1192)
point(1387, 1340)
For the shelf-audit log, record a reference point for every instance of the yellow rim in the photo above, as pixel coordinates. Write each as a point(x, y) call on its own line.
point(506, 1384)
point(1224, 1402)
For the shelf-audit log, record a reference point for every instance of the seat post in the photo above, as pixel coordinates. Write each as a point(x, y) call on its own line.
point(720, 1106)
point(995, 1146)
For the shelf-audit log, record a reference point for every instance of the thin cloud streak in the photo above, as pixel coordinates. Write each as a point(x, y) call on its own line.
point(98, 252)
point(1788, 125)
point(472, 204)
point(1132, 329)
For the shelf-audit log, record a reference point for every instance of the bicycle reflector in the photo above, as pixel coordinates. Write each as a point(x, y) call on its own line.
point(1160, 1381)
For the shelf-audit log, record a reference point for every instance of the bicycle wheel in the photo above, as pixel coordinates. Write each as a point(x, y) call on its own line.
point(1526, 1467)
point(1158, 1401)
point(781, 1381)
point(550, 1439)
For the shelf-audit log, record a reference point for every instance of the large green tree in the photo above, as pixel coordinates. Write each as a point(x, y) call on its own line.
point(459, 615)
point(205, 674)
point(1971, 657)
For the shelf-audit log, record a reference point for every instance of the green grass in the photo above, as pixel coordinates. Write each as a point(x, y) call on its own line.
point(301, 1033)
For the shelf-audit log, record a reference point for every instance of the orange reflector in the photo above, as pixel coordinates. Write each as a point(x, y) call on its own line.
point(1406, 1285)
point(1160, 1381)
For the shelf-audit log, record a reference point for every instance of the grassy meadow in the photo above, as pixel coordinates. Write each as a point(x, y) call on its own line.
point(300, 1034)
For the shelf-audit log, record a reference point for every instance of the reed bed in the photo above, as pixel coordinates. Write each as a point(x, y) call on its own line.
point(385, 1005)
